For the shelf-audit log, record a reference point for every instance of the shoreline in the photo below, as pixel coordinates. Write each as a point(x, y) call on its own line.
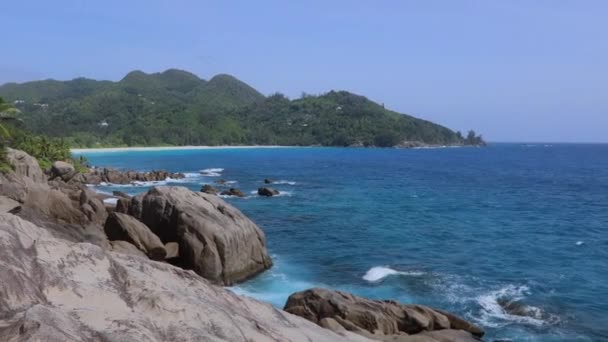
point(172, 148)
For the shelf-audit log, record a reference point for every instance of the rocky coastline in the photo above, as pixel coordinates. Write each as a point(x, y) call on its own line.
point(153, 268)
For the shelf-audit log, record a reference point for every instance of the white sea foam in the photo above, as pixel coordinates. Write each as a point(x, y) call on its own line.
point(281, 194)
point(494, 315)
point(579, 243)
point(284, 182)
point(192, 174)
point(112, 200)
point(378, 273)
point(212, 172)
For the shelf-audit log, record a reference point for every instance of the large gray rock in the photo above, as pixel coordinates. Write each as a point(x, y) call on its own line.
point(127, 228)
point(55, 290)
point(377, 319)
point(215, 239)
point(25, 165)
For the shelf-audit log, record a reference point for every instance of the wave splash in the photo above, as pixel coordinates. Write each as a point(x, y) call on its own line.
point(378, 273)
point(505, 306)
point(284, 182)
point(212, 172)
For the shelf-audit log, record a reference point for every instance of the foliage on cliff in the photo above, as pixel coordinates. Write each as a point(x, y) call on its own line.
point(13, 134)
point(177, 108)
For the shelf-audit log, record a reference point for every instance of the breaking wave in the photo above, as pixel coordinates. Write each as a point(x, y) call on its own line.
point(212, 172)
point(378, 273)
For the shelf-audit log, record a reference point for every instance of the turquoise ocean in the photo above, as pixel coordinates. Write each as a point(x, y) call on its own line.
point(462, 229)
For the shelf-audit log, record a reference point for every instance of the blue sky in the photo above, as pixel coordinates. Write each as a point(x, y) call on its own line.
point(514, 70)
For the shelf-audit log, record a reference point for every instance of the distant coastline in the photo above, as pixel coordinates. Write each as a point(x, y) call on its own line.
point(172, 148)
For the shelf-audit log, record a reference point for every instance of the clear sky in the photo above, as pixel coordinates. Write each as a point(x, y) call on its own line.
point(514, 70)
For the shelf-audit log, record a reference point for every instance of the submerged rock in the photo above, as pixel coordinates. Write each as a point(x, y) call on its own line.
point(215, 239)
point(208, 189)
point(376, 319)
point(268, 192)
point(268, 181)
point(55, 290)
point(233, 192)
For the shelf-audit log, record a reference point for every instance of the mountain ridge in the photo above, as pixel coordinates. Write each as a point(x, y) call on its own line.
point(177, 107)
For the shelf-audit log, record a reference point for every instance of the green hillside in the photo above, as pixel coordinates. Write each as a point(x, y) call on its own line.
point(176, 107)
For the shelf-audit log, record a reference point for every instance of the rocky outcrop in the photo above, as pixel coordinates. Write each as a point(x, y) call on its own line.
point(215, 239)
point(268, 181)
point(63, 170)
point(55, 290)
point(25, 165)
point(267, 192)
point(233, 192)
point(378, 320)
point(127, 228)
point(107, 175)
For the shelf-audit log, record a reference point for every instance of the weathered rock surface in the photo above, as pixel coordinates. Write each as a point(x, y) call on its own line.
point(127, 228)
point(381, 320)
point(215, 239)
point(8, 205)
point(121, 246)
point(55, 290)
point(268, 192)
point(233, 192)
point(99, 175)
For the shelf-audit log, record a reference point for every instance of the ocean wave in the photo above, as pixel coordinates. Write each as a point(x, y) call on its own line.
point(378, 273)
point(212, 172)
point(281, 194)
point(284, 182)
point(192, 174)
point(505, 306)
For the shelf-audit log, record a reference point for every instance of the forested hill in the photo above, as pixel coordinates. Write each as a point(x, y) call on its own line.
point(176, 107)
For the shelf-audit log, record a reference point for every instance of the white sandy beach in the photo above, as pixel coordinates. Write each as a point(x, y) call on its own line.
point(169, 148)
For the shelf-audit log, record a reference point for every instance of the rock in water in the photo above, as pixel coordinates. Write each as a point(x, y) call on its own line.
point(268, 181)
point(215, 239)
point(208, 189)
point(55, 290)
point(233, 192)
point(127, 228)
point(372, 318)
point(268, 192)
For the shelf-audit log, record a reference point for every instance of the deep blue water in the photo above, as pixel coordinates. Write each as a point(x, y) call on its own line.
point(455, 228)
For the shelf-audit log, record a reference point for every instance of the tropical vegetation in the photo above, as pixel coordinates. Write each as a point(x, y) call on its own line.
point(45, 149)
